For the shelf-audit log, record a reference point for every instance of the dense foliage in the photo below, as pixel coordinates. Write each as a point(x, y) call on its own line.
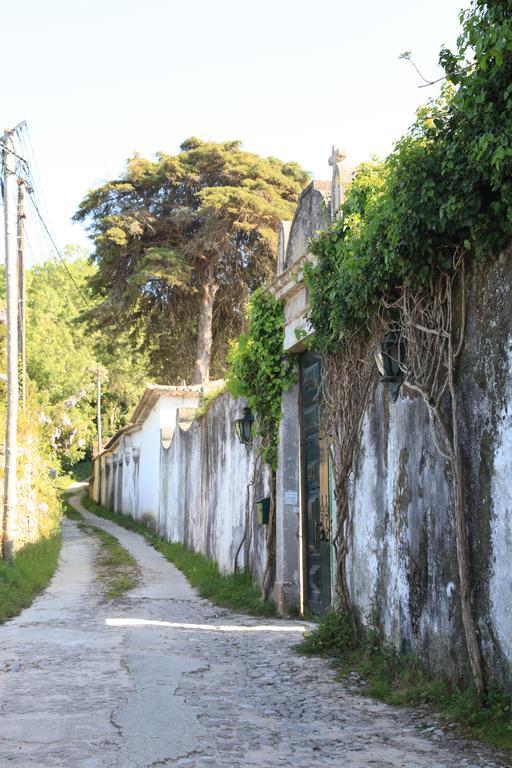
point(447, 185)
point(180, 241)
point(27, 575)
point(259, 369)
point(38, 509)
point(63, 359)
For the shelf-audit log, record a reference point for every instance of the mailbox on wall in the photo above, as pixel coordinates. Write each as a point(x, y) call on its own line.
point(262, 511)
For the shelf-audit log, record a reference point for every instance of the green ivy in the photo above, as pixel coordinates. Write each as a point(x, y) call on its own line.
point(261, 371)
point(447, 185)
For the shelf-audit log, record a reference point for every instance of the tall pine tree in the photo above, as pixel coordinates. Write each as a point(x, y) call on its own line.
point(180, 242)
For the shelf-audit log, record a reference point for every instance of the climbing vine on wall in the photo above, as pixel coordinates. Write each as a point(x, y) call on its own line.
point(447, 184)
point(397, 253)
point(261, 371)
point(344, 400)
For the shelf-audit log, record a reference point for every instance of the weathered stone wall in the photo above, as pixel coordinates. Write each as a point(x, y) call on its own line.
point(311, 216)
point(201, 484)
point(402, 563)
point(205, 489)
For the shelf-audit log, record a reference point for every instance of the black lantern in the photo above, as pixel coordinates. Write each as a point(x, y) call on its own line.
point(389, 356)
point(243, 426)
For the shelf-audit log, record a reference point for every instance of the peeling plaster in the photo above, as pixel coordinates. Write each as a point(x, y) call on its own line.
point(501, 528)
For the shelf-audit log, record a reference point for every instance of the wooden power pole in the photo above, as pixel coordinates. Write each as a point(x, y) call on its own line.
point(22, 358)
point(98, 409)
point(11, 447)
point(100, 439)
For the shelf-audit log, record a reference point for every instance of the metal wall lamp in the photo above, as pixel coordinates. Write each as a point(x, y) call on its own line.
point(389, 356)
point(243, 426)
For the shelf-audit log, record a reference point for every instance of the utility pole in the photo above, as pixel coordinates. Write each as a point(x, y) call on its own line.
point(9, 515)
point(100, 441)
point(22, 360)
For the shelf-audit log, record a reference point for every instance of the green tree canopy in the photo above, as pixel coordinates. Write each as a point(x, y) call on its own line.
point(180, 242)
point(446, 187)
point(63, 358)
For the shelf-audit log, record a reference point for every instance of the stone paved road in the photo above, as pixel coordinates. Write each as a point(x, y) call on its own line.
point(163, 678)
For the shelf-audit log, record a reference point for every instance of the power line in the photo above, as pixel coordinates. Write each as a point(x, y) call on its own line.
point(23, 135)
point(12, 152)
point(33, 170)
point(57, 251)
point(59, 284)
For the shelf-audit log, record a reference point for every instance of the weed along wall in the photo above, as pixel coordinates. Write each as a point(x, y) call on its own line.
point(187, 476)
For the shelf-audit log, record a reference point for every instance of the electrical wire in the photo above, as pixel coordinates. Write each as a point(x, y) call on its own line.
point(33, 185)
point(57, 251)
point(5, 148)
point(26, 170)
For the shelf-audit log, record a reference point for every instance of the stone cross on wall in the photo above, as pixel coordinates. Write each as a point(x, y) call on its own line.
point(336, 159)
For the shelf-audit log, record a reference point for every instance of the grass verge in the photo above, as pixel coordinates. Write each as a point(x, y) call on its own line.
point(78, 473)
point(69, 511)
point(235, 591)
point(397, 678)
point(22, 580)
point(117, 568)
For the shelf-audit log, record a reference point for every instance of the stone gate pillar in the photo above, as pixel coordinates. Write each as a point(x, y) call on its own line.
point(287, 593)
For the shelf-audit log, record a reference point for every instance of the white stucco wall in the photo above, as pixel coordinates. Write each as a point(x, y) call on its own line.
point(401, 567)
point(501, 526)
point(196, 490)
point(205, 475)
point(147, 441)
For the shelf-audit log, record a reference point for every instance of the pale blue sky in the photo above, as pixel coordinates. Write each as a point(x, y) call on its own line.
point(99, 79)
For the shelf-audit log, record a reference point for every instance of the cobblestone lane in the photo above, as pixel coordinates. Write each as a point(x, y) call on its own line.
point(163, 678)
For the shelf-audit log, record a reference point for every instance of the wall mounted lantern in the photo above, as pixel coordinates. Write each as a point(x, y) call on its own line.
point(243, 426)
point(389, 356)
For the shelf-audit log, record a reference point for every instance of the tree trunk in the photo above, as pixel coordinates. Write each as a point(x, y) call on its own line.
point(209, 289)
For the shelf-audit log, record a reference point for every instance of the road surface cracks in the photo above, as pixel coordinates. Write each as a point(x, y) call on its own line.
point(163, 678)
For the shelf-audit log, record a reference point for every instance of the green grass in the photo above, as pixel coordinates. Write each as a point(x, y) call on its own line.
point(69, 511)
point(401, 680)
point(78, 473)
point(22, 580)
point(116, 567)
point(235, 591)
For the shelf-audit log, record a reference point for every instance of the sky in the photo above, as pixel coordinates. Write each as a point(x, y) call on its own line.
point(97, 80)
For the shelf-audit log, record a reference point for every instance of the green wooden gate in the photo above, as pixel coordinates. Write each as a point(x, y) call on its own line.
point(315, 489)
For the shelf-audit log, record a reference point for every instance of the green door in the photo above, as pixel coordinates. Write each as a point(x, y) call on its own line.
point(315, 489)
